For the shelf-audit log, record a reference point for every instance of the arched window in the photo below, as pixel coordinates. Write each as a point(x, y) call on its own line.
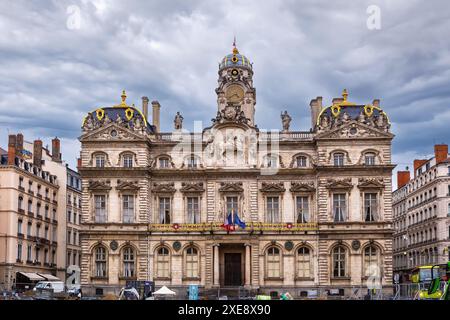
point(163, 263)
point(369, 159)
point(371, 261)
point(303, 263)
point(273, 262)
point(339, 262)
point(127, 160)
point(192, 263)
point(128, 262)
point(338, 159)
point(100, 261)
point(164, 162)
point(100, 160)
point(301, 161)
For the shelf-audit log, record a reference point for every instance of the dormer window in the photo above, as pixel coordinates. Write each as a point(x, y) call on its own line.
point(164, 163)
point(301, 161)
point(127, 160)
point(338, 159)
point(369, 159)
point(100, 160)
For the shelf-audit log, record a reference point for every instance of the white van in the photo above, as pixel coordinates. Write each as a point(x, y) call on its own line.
point(57, 286)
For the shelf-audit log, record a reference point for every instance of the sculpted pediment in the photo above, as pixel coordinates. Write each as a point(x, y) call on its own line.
point(354, 129)
point(275, 187)
point(302, 187)
point(128, 186)
point(192, 187)
point(370, 183)
point(110, 132)
point(231, 187)
point(95, 185)
point(339, 184)
point(164, 187)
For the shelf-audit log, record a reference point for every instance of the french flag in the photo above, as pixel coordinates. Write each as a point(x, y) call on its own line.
point(228, 225)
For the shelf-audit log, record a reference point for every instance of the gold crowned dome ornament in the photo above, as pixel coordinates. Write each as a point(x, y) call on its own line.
point(129, 113)
point(100, 113)
point(368, 110)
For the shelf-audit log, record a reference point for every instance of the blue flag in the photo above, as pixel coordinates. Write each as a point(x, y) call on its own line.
point(238, 221)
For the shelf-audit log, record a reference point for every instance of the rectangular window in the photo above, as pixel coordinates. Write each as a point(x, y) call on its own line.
point(232, 205)
point(370, 206)
point(369, 159)
point(302, 210)
point(38, 230)
point(100, 208)
point(30, 206)
point(339, 207)
point(29, 229)
point(164, 210)
point(100, 161)
point(193, 211)
point(69, 236)
point(128, 208)
point(20, 182)
point(301, 162)
point(273, 209)
point(338, 159)
point(192, 162)
point(448, 210)
point(46, 212)
point(74, 238)
point(19, 226)
point(19, 251)
point(54, 214)
point(128, 161)
point(29, 253)
point(45, 256)
point(164, 163)
point(54, 234)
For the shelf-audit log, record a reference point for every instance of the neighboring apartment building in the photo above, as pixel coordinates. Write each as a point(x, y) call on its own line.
point(73, 218)
point(316, 204)
point(421, 207)
point(32, 213)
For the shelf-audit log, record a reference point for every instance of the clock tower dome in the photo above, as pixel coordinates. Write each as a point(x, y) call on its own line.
point(236, 84)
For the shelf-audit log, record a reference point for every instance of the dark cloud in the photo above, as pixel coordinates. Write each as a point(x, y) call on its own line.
point(50, 75)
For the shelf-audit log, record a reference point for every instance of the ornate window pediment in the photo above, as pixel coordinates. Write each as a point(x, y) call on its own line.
point(302, 187)
point(127, 186)
point(272, 187)
point(192, 187)
point(164, 187)
point(343, 184)
point(231, 187)
point(99, 186)
point(370, 183)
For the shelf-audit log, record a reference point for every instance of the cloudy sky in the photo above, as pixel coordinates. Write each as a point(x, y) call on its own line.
point(61, 59)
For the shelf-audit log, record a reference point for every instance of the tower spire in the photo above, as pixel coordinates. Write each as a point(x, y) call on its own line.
point(235, 50)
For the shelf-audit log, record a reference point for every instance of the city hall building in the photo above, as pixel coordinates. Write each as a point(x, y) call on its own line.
point(232, 205)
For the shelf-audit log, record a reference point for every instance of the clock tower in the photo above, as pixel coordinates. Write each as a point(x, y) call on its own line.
point(236, 84)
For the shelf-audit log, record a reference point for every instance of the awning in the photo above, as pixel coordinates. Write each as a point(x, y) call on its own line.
point(164, 291)
point(32, 276)
point(49, 277)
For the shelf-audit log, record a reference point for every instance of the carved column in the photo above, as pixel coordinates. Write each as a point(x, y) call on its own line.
point(247, 265)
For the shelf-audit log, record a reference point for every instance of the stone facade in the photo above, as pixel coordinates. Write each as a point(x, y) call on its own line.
point(32, 213)
point(308, 209)
point(422, 214)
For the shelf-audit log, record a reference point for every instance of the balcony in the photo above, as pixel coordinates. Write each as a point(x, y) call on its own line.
point(19, 260)
point(55, 202)
point(39, 196)
point(21, 211)
point(54, 221)
point(47, 199)
point(31, 192)
point(39, 216)
point(30, 213)
point(21, 188)
point(29, 262)
point(217, 226)
point(20, 235)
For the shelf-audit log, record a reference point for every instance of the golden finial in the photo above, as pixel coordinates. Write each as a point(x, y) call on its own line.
point(235, 50)
point(345, 94)
point(124, 97)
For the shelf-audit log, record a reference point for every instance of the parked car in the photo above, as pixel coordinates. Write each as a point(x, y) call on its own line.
point(57, 286)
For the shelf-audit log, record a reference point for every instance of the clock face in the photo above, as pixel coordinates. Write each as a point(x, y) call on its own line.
point(234, 93)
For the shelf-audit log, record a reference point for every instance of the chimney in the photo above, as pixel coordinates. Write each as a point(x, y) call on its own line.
point(56, 150)
point(440, 152)
point(156, 107)
point(145, 107)
point(376, 103)
point(37, 153)
point(19, 147)
point(12, 148)
point(403, 178)
point(78, 163)
point(418, 163)
point(316, 107)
